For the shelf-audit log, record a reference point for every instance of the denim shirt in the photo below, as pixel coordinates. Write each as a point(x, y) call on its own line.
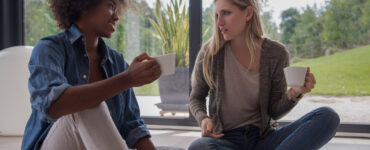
point(59, 62)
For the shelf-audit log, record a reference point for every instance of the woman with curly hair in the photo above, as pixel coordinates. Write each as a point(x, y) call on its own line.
point(242, 71)
point(81, 89)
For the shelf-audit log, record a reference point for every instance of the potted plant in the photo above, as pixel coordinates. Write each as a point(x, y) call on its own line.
point(172, 26)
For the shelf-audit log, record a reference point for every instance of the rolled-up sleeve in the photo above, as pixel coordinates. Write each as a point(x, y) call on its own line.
point(136, 134)
point(133, 128)
point(47, 81)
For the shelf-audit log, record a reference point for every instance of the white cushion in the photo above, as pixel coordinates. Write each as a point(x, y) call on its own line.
point(15, 107)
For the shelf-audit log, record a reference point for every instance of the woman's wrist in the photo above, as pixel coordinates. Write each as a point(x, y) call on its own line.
point(125, 79)
point(294, 95)
point(204, 118)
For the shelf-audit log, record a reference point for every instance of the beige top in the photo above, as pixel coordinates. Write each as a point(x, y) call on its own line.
point(240, 106)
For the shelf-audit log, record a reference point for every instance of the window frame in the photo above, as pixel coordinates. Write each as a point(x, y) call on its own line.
point(195, 43)
point(15, 31)
point(12, 32)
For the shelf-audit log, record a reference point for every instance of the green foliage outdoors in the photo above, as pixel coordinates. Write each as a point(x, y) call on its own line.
point(207, 25)
point(309, 34)
point(39, 21)
point(148, 90)
point(344, 73)
point(345, 23)
point(314, 32)
point(270, 29)
point(307, 40)
point(172, 27)
point(288, 23)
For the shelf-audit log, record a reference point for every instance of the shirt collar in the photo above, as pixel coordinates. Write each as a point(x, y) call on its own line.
point(75, 34)
point(105, 50)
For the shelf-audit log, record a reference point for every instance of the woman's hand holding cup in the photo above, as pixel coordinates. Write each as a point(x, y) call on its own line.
point(299, 84)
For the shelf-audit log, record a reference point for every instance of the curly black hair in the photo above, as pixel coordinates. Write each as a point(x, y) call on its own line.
point(67, 12)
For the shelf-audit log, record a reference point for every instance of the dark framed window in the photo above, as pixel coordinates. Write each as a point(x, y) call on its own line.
point(36, 17)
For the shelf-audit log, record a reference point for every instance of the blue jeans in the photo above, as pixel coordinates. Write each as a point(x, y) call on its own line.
point(312, 131)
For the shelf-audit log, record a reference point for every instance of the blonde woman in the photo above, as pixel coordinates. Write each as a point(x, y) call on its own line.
point(243, 73)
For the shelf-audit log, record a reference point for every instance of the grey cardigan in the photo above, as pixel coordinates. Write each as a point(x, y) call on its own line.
point(273, 99)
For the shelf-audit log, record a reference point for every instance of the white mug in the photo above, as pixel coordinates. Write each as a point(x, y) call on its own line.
point(295, 76)
point(167, 63)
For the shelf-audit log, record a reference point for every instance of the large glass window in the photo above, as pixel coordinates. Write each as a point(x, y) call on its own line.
point(332, 38)
point(166, 32)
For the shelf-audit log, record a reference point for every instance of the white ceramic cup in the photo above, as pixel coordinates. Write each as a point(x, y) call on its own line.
point(167, 63)
point(295, 76)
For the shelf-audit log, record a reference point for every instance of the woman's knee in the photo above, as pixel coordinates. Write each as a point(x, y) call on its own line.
point(328, 112)
point(204, 143)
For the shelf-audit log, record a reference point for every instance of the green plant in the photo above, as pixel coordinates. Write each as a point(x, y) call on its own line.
point(172, 26)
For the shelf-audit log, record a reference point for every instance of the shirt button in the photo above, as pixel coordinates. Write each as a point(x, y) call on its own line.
point(84, 76)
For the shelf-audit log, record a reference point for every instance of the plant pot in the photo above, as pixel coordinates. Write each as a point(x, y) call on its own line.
point(174, 91)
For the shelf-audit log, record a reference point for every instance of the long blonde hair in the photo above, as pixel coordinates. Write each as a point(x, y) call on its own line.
point(253, 33)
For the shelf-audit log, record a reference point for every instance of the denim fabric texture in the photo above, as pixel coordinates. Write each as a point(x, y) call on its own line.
point(310, 132)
